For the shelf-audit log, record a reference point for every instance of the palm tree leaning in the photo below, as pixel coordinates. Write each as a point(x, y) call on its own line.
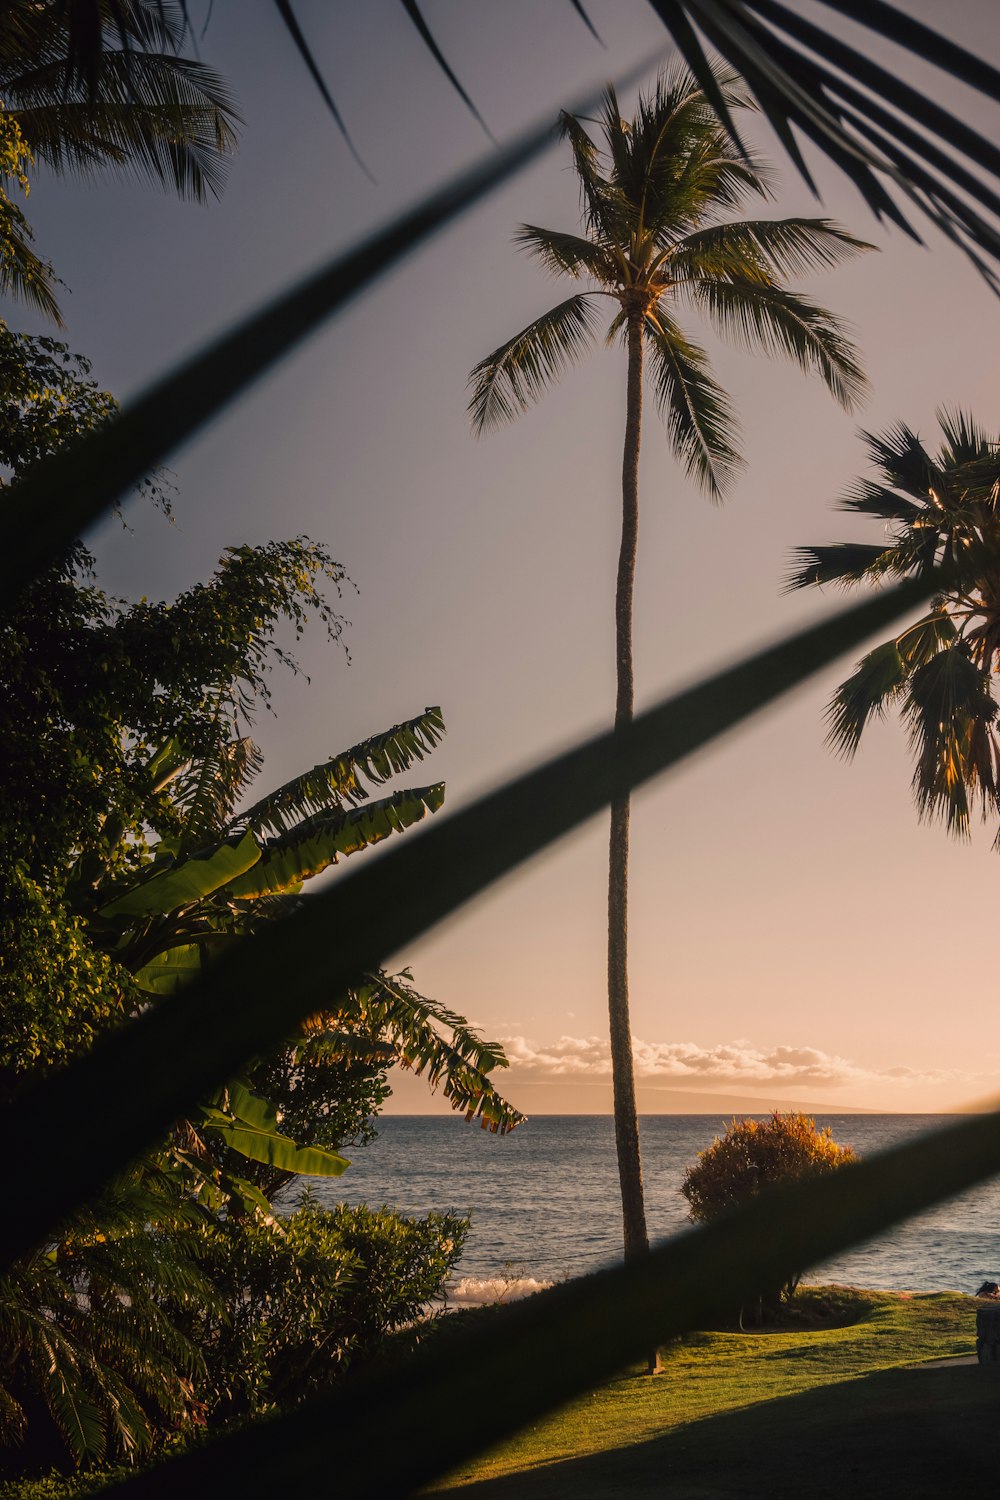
point(939, 511)
point(652, 197)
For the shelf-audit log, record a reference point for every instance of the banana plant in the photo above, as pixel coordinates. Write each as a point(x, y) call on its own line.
point(218, 872)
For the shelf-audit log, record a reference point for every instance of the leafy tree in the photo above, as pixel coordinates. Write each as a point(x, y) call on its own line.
point(128, 100)
point(654, 242)
point(753, 1156)
point(936, 510)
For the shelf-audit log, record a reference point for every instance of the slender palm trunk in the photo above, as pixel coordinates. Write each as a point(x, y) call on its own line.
point(626, 1119)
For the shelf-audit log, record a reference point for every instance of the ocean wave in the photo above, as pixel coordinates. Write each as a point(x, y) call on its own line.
point(476, 1291)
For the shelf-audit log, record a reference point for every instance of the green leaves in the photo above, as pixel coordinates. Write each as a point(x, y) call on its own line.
point(248, 1124)
point(341, 779)
point(189, 882)
point(318, 842)
point(775, 247)
point(880, 130)
point(942, 512)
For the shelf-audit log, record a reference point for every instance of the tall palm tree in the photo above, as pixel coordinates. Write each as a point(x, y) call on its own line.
point(937, 511)
point(654, 242)
point(96, 84)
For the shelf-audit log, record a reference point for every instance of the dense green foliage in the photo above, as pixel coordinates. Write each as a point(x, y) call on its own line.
point(22, 272)
point(304, 1299)
point(97, 1366)
point(936, 511)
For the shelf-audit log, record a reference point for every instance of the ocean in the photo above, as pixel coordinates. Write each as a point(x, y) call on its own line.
point(544, 1201)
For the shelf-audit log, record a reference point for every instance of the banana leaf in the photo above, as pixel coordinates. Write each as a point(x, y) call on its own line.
point(186, 883)
point(320, 841)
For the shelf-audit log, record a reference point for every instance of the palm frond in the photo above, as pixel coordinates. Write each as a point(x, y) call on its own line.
point(341, 779)
point(774, 247)
point(700, 420)
point(312, 846)
point(302, 46)
point(460, 1060)
point(877, 683)
point(965, 440)
point(510, 379)
point(598, 204)
point(168, 119)
point(845, 563)
point(949, 712)
point(797, 69)
point(903, 459)
point(208, 788)
point(868, 498)
point(782, 322)
point(922, 641)
point(427, 37)
point(567, 254)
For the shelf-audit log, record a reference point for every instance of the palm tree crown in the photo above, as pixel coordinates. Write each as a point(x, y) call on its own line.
point(653, 242)
point(939, 511)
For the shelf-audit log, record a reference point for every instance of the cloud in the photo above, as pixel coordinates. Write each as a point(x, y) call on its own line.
point(738, 1062)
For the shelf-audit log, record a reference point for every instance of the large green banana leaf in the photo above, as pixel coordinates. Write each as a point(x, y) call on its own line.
point(248, 1124)
point(280, 1151)
point(170, 971)
point(307, 850)
point(191, 881)
point(257, 994)
point(259, 1144)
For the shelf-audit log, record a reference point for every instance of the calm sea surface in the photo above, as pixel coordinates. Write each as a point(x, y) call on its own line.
point(544, 1201)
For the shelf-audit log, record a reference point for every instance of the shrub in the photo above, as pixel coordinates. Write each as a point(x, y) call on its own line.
point(754, 1155)
point(308, 1297)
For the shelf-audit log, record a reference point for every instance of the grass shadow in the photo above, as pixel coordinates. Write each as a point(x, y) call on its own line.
point(909, 1434)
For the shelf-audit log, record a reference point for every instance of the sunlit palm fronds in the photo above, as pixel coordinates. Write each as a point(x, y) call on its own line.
point(940, 511)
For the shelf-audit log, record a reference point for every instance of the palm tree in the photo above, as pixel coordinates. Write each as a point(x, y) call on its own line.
point(128, 100)
point(938, 511)
point(651, 201)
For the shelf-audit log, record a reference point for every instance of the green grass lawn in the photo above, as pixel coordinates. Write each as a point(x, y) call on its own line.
point(833, 1406)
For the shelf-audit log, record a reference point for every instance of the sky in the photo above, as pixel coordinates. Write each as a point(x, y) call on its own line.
point(796, 934)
